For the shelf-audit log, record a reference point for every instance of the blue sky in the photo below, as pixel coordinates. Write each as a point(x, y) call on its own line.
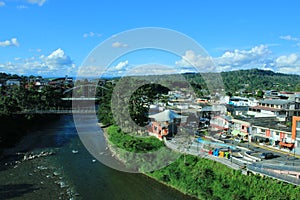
point(53, 37)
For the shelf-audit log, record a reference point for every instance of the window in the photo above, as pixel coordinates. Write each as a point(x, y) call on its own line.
point(298, 125)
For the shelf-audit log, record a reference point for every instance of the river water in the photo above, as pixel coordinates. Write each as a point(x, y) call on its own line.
point(53, 176)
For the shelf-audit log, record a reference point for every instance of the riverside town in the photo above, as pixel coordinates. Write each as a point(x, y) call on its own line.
point(149, 100)
point(253, 131)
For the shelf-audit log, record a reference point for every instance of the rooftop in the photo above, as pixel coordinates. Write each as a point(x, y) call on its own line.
point(267, 122)
point(266, 108)
point(275, 101)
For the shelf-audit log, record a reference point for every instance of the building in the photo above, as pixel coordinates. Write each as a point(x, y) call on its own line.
point(296, 133)
point(164, 124)
point(222, 123)
point(268, 131)
point(11, 82)
point(241, 128)
point(242, 101)
point(283, 110)
point(271, 132)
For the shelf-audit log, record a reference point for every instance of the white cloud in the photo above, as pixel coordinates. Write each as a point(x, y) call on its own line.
point(190, 59)
point(11, 42)
point(121, 65)
point(150, 69)
point(91, 71)
point(91, 34)
point(57, 59)
point(289, 60)
point(2, 3)
point(119, 44)
point(56, 63)
point(288, 63)
point(289, 38)
point(236, 59)
point(241, 57)
point(38, 2)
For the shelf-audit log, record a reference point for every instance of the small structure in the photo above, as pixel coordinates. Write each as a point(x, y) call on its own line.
point(164, 124)
point(12, 82)
point(221, 123)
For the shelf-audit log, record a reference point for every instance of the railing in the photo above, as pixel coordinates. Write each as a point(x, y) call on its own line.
point(201, 153)
point(60, 111)
point(263, 171)
point(278, 167)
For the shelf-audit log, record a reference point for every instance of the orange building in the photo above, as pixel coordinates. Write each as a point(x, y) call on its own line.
point(296, 133)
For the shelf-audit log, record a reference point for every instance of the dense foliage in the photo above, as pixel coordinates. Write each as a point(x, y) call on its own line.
point(104, 93)
point(249, 81)
point(141, 154)
point(132, 143)
point(123, 99)
point(18, 104)
point(26, 97)
point(208, 179)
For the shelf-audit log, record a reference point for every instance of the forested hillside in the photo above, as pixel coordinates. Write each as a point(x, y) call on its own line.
point(251, 81)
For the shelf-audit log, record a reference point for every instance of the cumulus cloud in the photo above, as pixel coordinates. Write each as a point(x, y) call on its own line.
point(241, 57)
point(38, 2)
point(8, 43)
point(2, 3)
point(91, 71)
point(289, 38)
point(119, 44)
point(57, 63)
point(121, 65)
point(190, 59)
point(91, 34)
point(288, 63)
point(289, 60)
point(236, 59)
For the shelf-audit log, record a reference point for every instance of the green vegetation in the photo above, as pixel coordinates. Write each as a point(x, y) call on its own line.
point(16, 98)
point(24, 97)
point(208, 179)
point(249, 81)
point(132, 143)
point(199, 177)
point(139, 153)
point(202, 178)
point(128, 101)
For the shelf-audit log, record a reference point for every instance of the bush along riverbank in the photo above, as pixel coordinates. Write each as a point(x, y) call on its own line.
point(208, 179)
point(198, 177)
point(139, 153)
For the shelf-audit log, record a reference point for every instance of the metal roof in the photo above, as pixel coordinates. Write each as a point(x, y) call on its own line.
point(275, 101)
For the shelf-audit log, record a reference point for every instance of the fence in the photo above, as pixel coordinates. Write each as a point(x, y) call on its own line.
point(266, 171)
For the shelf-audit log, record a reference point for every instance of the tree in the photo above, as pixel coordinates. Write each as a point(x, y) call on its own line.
point(260, 94)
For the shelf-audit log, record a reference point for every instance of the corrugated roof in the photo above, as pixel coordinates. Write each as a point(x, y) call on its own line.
point(275, 101)
point(266, 108)
point(167, 115)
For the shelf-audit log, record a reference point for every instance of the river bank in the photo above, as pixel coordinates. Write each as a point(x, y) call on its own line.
point(72, 169)
point(148, 174)
point(28, 168)
point(207, 179)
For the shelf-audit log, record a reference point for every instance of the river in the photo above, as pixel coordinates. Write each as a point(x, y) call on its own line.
point(78, 174)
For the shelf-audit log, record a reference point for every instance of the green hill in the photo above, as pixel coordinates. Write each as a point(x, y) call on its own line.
point(251, 80)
